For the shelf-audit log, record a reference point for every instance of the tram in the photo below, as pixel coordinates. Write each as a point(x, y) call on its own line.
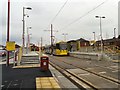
point(60, 48)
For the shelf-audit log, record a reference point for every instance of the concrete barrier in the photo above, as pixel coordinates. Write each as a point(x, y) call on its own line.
point(95, 56)
point(90, 56)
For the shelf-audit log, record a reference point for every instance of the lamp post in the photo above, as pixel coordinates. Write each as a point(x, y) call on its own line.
point(94, 35)
point(23, 36)
point(114, 33)
point(94, 40)
point(100, 17)
point(28, 38)
point(65, 34)
point(29, 41)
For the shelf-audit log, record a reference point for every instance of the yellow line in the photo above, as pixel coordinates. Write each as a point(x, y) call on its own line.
point(46, 82)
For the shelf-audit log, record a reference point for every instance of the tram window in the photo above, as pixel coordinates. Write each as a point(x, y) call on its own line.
point(57, 46)
point(63, 46)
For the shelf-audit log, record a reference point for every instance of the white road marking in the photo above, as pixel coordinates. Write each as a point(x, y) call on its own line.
point(102, 72)
point(15, 84)
point(115, 71)
point(90, 68)
point(112, 67)
point(60, 76)
point(83, 74)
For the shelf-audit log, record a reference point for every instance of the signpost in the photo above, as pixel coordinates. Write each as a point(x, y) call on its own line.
point(10, 46)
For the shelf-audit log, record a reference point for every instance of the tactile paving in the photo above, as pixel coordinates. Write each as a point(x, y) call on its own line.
point(46, 82)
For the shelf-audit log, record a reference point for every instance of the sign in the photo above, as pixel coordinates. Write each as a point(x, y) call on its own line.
point(10, 46)
point(92, 42)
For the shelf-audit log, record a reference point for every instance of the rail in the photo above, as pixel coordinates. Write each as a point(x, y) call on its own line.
point(107, 78)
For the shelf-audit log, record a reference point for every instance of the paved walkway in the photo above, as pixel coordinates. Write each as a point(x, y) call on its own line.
point(24, 77)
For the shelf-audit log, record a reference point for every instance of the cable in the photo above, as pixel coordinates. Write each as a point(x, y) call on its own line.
point(84, 15)
point(58, 12)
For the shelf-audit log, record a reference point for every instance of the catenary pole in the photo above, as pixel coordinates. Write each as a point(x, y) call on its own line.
point(8, 30)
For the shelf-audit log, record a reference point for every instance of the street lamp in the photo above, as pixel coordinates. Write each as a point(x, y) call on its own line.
point(23, 36)
point(114, 33)
point(94, 46)
point(28, 39)
point(100, 17)
point(65, 34)
point(94, 35)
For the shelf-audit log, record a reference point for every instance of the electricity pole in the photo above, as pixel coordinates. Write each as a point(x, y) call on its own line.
point(114, 33)
point(8, 30)
point(41, 43)
point(51, 37)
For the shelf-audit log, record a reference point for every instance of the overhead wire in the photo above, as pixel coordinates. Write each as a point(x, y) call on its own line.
point(84, 14)
point(58, 12)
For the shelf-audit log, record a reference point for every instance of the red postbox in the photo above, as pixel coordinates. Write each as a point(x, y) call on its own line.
point(44, 63)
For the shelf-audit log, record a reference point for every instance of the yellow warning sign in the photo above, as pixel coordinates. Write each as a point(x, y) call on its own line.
point(10, 46)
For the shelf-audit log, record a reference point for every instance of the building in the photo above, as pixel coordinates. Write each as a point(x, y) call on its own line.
point(75, 45)
point(72, 45)
point(83, 42)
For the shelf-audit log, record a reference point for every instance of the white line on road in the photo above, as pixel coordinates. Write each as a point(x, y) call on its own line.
point(115, 71)
point(102, 72)
point(83, 74)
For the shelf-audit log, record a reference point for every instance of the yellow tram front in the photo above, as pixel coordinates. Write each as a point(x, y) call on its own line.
point(60, 49)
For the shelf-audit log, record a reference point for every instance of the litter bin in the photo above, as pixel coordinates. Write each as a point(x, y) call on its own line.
point(44, 63)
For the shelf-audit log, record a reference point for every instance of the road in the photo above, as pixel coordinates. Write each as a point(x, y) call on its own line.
point(83, 68)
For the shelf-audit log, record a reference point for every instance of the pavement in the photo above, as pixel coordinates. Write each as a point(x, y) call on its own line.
point(25, 75)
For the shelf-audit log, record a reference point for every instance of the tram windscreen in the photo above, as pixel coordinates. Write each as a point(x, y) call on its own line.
point(63, 46)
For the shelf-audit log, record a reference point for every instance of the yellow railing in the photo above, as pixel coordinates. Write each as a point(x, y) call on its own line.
point(19, 56)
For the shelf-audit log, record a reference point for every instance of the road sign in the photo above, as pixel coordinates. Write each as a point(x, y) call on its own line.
point(10, 46)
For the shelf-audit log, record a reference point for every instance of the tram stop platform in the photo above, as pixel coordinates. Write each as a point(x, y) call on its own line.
point(28, 75)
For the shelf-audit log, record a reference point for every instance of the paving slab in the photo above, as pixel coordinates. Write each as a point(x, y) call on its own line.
point(46, 82)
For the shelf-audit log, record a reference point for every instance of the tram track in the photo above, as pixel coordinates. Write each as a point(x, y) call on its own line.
point(112, 80)
point(73, 78)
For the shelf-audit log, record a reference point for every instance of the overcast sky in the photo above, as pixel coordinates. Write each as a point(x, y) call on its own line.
point(43, 12)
